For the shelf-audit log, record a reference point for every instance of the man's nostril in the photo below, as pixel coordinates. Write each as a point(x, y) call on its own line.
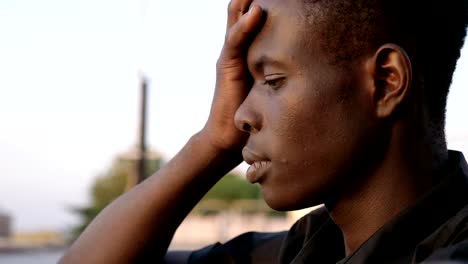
point(246, 127)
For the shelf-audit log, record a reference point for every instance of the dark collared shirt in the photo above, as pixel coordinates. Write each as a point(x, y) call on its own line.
point(433, 230)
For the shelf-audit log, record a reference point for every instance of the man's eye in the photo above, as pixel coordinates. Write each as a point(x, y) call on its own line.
point(274, 82)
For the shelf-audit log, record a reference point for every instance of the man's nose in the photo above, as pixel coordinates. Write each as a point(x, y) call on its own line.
point(247, 119)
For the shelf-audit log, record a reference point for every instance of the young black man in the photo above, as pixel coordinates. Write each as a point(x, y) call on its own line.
point(340, 102)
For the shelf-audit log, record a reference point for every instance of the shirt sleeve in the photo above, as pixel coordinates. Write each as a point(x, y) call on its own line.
point(251, 247)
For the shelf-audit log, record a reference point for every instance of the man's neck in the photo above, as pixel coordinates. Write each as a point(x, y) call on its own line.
point(403, 176)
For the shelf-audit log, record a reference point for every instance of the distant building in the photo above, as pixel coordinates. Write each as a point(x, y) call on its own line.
point(5, 225)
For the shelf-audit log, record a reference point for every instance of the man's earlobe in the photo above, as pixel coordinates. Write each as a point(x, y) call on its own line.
point(392, 79)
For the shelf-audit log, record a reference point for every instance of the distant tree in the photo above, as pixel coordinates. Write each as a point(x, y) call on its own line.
point(106, 188)
point(233, 192)
point(231, 188)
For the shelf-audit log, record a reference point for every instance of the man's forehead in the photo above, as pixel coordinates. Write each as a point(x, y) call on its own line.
point(274, 5)
point(285, 11)
point(267, 3)
point(283, 37)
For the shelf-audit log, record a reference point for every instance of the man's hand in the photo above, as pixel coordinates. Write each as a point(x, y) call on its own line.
point(232, 77)
point(154, 209)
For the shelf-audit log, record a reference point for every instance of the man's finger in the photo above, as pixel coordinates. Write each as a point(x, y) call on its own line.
point(238, 36)
point(236, 9)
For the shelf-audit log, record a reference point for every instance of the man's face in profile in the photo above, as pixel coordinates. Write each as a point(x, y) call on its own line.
point(306, 117)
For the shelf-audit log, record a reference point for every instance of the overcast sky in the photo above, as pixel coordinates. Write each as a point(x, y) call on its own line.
point(69, 92)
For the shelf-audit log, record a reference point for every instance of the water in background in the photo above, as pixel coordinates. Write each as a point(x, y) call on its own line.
point(37, 257)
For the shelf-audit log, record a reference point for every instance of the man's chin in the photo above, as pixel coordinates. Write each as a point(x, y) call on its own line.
point(281, 202)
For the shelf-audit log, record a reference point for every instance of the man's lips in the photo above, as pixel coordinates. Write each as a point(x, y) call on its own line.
point(251, 157)
point(258, 165)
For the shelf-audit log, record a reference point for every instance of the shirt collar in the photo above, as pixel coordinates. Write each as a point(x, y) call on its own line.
point(396, 240)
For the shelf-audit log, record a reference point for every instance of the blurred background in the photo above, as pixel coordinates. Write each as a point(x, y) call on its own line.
point(71, 75)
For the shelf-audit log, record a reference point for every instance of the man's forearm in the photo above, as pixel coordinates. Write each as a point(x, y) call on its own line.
point(149, 214)
point(139, 225)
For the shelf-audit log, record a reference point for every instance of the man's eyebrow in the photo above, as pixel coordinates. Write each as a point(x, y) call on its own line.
point(259, 63)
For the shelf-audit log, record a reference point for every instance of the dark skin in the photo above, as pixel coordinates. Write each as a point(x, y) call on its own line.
point(329, 133)
point(314, 133)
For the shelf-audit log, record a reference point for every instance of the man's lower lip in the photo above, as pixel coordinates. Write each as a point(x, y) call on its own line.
point(257, 170)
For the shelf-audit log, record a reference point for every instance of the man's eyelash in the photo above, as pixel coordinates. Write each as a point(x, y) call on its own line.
point(274, 83)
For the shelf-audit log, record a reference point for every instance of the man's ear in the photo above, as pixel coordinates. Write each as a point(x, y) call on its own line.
point(392, 79)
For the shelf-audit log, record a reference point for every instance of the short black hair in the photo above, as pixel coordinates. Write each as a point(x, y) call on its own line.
point(431, 32)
